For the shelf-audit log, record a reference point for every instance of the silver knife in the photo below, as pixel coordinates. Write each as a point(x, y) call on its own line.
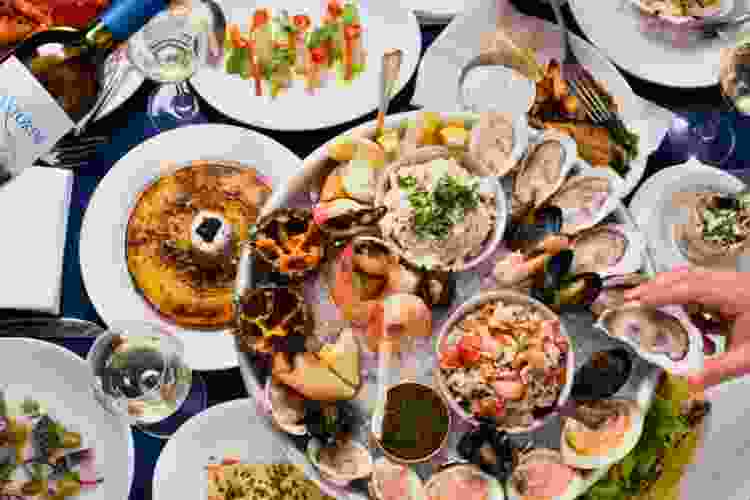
point(49, 328)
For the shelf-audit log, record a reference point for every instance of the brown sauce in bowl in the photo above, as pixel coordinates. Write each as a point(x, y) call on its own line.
point(415, 423)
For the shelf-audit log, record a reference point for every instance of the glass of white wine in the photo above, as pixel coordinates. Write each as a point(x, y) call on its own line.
point(169, 50)
point(139, 374)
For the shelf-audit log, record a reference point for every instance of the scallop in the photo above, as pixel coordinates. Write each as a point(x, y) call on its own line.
point(387, 476)
point(547, 164)
point(340, 463)
point(287, 408)
point(609, 250)
point(587, 197)
point(585, 448)
point(542, 473)
point(663, 336)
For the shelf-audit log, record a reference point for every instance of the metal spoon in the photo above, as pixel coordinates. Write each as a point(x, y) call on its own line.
point(717, 28)
point(388, 78)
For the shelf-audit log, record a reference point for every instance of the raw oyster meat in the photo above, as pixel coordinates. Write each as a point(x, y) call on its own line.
point(609, 249)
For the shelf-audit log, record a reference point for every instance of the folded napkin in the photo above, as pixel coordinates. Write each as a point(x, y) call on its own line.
point(33, 219)
point(487, 29)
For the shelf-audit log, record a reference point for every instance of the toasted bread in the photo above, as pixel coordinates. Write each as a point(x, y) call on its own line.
point(312, 378)
point(343, 358)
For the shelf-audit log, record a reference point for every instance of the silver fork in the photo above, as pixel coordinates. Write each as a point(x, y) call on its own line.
point(72, 153)
point(583, 83)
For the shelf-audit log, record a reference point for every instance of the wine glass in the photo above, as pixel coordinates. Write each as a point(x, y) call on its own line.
point(139, 374)
point(7, 151)
point(169, 50)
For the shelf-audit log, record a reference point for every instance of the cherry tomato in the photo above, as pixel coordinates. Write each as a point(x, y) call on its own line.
point(470, 348)
point(334, 9)
point(352, 31)
point(260, 17)
point(302, 22)
point(318, 55)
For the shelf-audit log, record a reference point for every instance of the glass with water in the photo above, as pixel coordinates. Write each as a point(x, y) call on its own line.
point(139, 374)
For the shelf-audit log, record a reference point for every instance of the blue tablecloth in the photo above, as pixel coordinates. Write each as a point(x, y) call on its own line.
point(129, 127)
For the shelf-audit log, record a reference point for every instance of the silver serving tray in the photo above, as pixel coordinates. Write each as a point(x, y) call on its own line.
point(585, 339)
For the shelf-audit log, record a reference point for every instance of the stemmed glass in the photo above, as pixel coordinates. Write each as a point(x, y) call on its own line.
point(139, 374)
point(7, 151)
point(169, 50)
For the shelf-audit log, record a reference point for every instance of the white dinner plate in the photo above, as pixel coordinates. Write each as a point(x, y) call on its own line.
point(386, 25)
point(653, 211)
point(103, 261)
point(229, 429)
point(61, 382)
point(613, 26)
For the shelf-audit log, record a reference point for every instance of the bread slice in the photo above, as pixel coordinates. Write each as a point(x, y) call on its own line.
point(312, 378)
point(343, 358)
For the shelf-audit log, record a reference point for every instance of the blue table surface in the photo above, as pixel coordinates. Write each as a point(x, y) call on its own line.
point(128, 127)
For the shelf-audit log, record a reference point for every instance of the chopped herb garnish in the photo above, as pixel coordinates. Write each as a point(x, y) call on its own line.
point(30, 408)
point(6, 471)
point(437, 212)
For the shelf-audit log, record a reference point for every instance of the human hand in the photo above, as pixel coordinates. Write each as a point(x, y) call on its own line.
point(729, 292)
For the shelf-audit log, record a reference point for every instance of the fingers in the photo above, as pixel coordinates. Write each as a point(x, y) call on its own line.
point(662, 280)
point(721, 368)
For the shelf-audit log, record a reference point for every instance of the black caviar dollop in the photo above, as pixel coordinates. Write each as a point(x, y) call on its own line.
point(208, 228)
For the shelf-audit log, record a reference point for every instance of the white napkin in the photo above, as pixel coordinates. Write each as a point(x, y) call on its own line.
point(33, 219)
point(437, 82)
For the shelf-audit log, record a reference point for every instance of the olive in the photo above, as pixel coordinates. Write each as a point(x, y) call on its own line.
point(71, 440)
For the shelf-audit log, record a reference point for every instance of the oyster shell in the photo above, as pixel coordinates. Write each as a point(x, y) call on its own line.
point(287, 408)
point(345, 218)
point(663, 336)
point(608, 249)
point(613, 293)
point(341, 462)
point(289, 241)
point(518, 484)
point(384, 472)
point(582, 448)
point(587, 197)
point(455, 478)
point(547, 164)
point(497, 143)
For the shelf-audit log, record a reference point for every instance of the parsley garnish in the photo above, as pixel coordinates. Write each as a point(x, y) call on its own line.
point(437, 212)
point(320, 35)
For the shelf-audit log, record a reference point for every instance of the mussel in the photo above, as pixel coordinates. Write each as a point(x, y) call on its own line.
point(289, 241)
point(560, 290)
point(330, 422)
point(534, 227)
point(603, 375)
point(491, 450)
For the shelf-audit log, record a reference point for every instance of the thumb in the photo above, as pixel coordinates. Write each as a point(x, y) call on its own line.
point(725, 366)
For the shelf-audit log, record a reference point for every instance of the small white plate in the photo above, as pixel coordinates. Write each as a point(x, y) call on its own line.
point(229, 429)
point(615, 28)
point(654, 214)
point(61, 382)
point(386, 26)
point(103, 262)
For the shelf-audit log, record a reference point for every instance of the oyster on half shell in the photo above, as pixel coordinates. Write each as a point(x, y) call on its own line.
point(544, 169)
point(587, 197)
point(608, 249)
point(612, 295)
point(287, 407)
point(542, 473)
point(664, 336)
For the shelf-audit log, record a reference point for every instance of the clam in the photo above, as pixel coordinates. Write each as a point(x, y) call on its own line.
point(602, 375)
point(497, 143)
point(457, 478)
point(663, 336)
point(547, 164)
point(287, 408)
point(289, 241)
point(613, 291)
point(559, 289)
point(542, 473)
point(608, 249)
point(391, 480)
point(345, 218)
point(341, 462)
point(621, 427)
point(587, 197)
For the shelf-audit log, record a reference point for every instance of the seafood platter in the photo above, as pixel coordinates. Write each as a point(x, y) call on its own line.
point(435, 308)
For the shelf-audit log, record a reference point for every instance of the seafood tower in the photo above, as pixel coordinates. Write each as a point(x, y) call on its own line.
point(211, 239)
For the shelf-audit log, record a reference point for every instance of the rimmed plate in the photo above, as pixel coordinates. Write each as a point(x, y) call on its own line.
point(61, 382)
point(386, 26)
point(585, 339)
point(103, 262)
point(658, 61)
point(231, 429)
point(656, 216)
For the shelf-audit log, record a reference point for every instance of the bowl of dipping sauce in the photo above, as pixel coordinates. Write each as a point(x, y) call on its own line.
point(416, 423)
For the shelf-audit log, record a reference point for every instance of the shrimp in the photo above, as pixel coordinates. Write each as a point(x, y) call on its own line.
point(33, 11)
point(532, 357)
point(13, 29)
